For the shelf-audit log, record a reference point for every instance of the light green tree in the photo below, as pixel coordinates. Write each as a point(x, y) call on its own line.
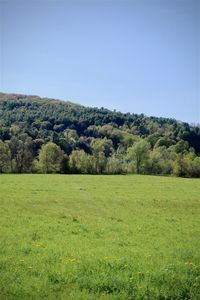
point(99, 158)
point(181, 147)
point(50, 158)
point(71, 134)
point(79, 162)
point(161, 161)
point(114, 164)
point(187, 165)
point(196, 167)
point(138, 155)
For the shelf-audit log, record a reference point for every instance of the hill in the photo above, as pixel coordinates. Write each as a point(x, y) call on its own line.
point(28, 123)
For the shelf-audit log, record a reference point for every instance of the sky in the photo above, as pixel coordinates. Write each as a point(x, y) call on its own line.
point(138, 56)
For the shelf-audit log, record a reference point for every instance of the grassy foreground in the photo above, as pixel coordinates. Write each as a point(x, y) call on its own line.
point(99, 237)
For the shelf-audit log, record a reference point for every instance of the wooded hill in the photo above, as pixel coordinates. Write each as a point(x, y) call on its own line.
point(48, 135)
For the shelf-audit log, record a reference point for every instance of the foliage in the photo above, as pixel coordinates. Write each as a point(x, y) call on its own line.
point(80, 162)
point(138, 154)
point(50, 158)
point(5, 157)
point(93, 140)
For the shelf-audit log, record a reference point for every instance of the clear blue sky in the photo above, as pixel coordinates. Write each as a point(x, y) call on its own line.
point(140, 56)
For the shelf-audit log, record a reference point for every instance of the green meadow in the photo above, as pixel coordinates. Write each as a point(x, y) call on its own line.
point(99, 237)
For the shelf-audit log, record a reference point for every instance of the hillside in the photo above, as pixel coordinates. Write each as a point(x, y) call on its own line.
point(27, 123)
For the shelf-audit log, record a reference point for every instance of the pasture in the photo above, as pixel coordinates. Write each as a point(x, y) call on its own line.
point(99, 237)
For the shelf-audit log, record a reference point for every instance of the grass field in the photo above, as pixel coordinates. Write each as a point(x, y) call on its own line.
point(99, 237)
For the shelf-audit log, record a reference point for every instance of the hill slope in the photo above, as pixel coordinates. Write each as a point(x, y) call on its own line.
point(75, 127)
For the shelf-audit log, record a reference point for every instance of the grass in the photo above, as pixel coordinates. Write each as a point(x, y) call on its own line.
point(99, 237)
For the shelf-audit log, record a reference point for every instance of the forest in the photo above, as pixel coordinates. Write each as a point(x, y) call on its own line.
point(41, 135)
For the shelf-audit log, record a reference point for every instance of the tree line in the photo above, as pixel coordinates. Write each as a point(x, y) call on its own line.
point(23, 155)
point(49, 136)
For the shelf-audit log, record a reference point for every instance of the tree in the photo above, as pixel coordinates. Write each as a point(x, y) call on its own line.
point(14, 130)
point(138, 154)
point(114, 165)
point(21, 148)
point(164, 141)
point(80, 162)
point(196, 167)
point(50, 158)
point(5, 156)
point(182, 166)
point(99, 159)
point(64, 166)
point(71, 134)
point(153, 138)
point(129, 139)
point(181, 147)
point(187, 165)
point(161, 161)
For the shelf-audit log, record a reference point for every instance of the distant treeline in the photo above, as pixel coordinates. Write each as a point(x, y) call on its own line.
point(39, 135)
